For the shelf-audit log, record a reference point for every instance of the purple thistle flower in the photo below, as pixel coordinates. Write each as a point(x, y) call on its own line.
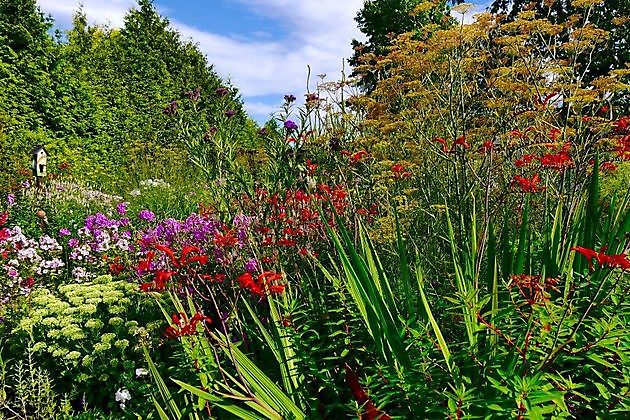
point(193, 95)
point(147, 215)
point(222, 91)
point(290, 125)
point(262, 131)
point(73, 243)
point(211, 132)
point(10, 200)
point(289, 98)
point(171, 108)
point(230, 113)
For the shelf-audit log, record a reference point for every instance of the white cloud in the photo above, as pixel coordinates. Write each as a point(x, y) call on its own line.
point(100, 12)
point(318, 33)
point(262, 110)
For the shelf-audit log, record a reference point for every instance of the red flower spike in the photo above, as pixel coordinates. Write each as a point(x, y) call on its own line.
point(460, 141)
point(442, 141)
point(554, 133)
point(160, 280)
point(146, 287)
point(245, 280)
point(525, 160)
point(358, 156)
point(399, 171)
point(603, 260)
point(558, 161)
point(169, 252)
point(170, 332)
point(225, 240)
point(528, 185)
point(486, 147)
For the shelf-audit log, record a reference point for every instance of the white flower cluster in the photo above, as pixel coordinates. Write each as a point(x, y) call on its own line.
point(27, 262)
point(122, 396)
point(154, 183)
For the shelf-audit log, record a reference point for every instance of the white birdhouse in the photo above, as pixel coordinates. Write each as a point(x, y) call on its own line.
point(40, 158)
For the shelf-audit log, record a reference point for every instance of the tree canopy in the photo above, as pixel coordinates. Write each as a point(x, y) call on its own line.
point(97, 93)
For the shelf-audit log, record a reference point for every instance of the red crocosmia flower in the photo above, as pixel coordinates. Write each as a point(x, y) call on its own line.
point(4, 217)
point(268, 277)
point(554, 133)
point(518, 133)
point(116, 268)
point(399, 171)
point(144, 265)
point(271, 280)
point(286, 242)
point(524, 161)
point(245, 280)
point(608, 167)
point(623, 147)
point(183, 327)
point(176, 318)
point(528, 185)
point(622, 125)
point(618, 261)
point(160, 280)
point(460, 141)
point(4, 234)
point(358, 156)
point(147, 286)
point(188, 250)
point(602, 259)
point(486, 146)
point(169, 252)
point(171, 332)
point(442, 141)
point(276, 289)
point(603, 110)
point(558, 161)
point(197, 317)
point(225, 240)
point(310, 167)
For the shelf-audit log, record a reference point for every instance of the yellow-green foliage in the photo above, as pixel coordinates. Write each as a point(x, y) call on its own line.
point(82, 326)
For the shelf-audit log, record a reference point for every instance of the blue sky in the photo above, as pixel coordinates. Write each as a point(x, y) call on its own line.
point(262, 46)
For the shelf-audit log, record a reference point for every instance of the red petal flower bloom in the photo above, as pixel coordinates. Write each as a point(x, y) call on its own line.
point(525, 160)
point(603, 260)
point(486, 146)
point(443, 143)
point(461, 141)
point(528, 185)
point(559, 161)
